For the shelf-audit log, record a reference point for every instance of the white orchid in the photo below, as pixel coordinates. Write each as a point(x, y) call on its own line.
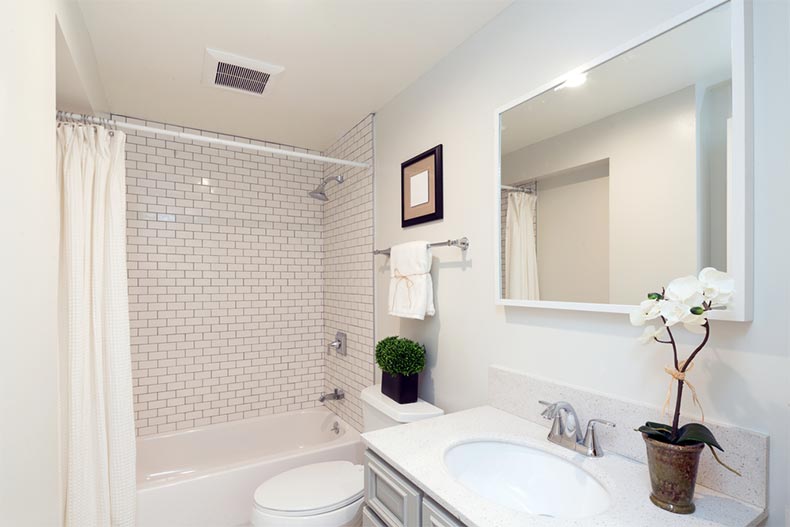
point(651, 332)
point(672, 312)
point(647, 310)
point(685, 301)
point(717, 286)
point(687, 290)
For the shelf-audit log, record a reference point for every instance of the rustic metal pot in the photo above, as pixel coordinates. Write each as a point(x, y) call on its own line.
point(673, 474)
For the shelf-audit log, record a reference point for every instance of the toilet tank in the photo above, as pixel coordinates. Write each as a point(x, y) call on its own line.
point(379, 411)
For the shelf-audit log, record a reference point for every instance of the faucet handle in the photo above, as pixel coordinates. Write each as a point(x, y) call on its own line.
point(591, 439)
point(550, 412)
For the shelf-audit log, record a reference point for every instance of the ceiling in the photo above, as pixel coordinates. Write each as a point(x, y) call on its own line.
point(696, 52)
point(343, 59)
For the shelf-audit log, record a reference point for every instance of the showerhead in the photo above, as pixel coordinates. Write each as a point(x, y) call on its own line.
point(320, 191)
point(319, 194)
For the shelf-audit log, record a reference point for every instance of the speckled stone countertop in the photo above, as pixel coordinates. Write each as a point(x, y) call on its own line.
point(417, 451)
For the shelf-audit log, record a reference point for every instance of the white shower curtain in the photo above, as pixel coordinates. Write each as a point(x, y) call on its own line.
point(521, 269)
point(98, 412)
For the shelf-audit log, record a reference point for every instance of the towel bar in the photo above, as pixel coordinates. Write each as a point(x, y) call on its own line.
point(463, 243)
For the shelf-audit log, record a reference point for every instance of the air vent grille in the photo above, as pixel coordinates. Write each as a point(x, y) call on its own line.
point(241, 78)
point(240, 74)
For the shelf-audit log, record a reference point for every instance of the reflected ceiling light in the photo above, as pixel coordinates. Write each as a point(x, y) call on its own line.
point(574, 80)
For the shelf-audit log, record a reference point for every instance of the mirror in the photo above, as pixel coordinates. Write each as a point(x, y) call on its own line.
point(616, 179)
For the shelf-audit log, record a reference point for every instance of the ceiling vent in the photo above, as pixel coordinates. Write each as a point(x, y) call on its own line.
point(242, 74)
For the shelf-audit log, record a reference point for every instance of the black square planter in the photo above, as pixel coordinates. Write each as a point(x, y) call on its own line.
point(400, 388)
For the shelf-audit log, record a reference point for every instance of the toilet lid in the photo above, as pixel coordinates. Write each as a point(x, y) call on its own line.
point(312, 489)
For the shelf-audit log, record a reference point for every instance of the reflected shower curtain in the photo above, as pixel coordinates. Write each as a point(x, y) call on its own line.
point(521, 260)
point(98, 411)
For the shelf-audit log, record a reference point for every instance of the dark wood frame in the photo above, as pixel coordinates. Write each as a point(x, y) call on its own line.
point(438, 214)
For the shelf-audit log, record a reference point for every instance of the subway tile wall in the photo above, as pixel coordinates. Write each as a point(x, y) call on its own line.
point(226, 290)
point(348, 270)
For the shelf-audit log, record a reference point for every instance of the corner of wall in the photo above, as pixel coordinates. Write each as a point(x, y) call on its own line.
point(348, 270)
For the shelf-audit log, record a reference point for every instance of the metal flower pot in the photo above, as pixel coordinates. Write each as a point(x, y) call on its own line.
point(673, 474)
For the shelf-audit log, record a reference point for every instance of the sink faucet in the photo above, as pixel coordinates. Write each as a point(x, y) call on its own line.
point(566, 430)
point(334, 395)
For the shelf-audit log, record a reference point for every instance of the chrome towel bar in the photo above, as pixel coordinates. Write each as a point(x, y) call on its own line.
point(462, 243)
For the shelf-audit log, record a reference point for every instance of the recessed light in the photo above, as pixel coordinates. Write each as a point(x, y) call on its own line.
point(573, 80)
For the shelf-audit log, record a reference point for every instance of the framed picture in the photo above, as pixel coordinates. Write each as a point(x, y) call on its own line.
point(421, 188)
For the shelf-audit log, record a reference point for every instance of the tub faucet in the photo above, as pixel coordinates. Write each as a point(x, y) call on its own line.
point(566, 430)
point(335, 395)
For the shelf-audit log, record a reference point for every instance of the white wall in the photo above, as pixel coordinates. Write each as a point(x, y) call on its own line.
point(714, 108)
point(651, 152)
point(741, 379)
point(29, 461)
point(573, 228)
point(86, 92)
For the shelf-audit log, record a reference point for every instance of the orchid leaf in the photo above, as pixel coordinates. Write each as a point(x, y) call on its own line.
point(657, 431)
point(659, 426)
point(696, 433)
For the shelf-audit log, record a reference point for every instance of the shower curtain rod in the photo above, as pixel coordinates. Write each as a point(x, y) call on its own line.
point(517, 189)
point(67, 116)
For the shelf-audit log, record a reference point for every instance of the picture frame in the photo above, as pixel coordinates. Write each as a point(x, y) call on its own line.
point(422, 193)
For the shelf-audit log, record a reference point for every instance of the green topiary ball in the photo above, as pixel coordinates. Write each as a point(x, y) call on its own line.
point(396, 355)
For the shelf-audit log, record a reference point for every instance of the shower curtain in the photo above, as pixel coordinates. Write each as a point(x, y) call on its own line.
point(98, 411)
point(521, 260)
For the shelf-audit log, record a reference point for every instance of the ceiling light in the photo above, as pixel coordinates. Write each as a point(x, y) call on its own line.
point(573, 80)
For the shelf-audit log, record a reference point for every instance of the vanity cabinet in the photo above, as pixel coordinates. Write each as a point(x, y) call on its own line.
point(435, 516)
point(391, 500)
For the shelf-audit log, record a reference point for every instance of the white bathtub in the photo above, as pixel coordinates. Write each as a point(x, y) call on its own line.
point(206, 477)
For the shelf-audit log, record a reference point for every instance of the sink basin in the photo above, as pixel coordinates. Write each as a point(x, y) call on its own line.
point(526, 479)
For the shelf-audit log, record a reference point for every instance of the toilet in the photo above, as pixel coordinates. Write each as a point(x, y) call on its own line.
point(330, 494)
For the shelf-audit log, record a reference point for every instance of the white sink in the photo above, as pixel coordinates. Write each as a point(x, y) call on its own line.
point(526, 479)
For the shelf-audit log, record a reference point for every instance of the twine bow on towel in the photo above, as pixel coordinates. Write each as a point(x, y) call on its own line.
point(679, 374)
point(408, 281)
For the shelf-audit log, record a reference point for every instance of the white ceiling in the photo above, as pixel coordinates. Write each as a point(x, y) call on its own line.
point(696, 52)
point(343, 58)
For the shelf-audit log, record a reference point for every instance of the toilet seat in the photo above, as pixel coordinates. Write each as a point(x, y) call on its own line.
point(311, 490)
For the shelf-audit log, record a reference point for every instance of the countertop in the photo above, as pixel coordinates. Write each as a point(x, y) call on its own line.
point(417, 451)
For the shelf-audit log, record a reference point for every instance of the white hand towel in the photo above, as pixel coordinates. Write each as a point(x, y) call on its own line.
point(411, 287)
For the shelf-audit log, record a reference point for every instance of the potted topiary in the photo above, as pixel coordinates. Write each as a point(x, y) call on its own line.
point(673, 451)
point(401, 360)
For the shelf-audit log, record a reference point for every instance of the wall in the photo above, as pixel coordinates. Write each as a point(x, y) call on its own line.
point(87, 94)
point(30, 492)
point(225, 282)
point(348, 270)
point(741, 379)
point(651, 152)
point(573, 227)
point(714, 108)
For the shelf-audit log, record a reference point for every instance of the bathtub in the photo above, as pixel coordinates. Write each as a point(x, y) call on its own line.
point(206, 477)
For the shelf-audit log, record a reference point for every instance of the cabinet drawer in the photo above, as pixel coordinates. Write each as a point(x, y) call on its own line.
point(435, 516)
point(369, 518)
point(393, 498)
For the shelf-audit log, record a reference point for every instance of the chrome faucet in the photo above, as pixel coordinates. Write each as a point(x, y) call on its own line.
point(335, 395)
point(566, 430)
point(339, 344)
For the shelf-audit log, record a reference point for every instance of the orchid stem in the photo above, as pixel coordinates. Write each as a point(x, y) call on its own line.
point(676, 417)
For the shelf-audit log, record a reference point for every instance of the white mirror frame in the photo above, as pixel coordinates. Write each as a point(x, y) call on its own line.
point(740, 201)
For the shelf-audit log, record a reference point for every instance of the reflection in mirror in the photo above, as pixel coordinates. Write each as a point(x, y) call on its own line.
point(615, 182)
